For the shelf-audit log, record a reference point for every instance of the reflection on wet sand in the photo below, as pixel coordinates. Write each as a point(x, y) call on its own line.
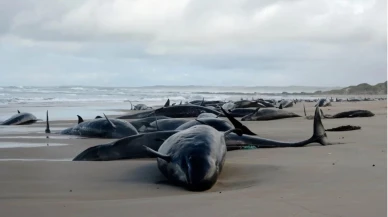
point(27, 145)
point(24, 159)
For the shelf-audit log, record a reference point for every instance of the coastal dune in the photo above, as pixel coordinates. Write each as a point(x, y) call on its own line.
point(347, 179)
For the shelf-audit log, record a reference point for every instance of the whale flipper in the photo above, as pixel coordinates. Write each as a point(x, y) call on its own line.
point(238, 124)
point(157, 154)
point(80, 120)
point(236, 130)
point(112, 124)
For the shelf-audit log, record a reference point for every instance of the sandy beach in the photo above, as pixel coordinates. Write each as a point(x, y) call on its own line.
point(38, 178)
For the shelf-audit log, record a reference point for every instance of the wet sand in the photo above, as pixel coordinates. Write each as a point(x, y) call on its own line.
point(339, 180)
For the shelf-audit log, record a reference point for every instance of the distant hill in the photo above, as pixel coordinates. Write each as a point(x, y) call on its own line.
point(364, 88)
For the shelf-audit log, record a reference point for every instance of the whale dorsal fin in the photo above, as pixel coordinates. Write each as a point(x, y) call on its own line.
point(110, 122)
point(167, 104)
point(180, 103)
point(304, 109)
point(18, 112)
point(80, 120)
point(131, 105)
point(47, 123)
point(97, 117)
point(281, 106)
point(157, 154)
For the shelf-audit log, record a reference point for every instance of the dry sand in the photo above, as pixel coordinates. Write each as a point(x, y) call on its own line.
point(339, 180)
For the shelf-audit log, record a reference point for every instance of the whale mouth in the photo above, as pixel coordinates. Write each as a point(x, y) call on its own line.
point(201, 173)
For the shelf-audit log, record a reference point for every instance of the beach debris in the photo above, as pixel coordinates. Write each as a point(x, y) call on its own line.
point(345, 128)
point(249, 147)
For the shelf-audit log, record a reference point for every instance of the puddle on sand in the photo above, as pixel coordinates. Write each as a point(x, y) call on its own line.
point(5, 130)
point(28, 145)
point(31, 159)
point(43, 137)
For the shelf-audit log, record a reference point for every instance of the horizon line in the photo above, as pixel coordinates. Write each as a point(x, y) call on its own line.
point(161, 85)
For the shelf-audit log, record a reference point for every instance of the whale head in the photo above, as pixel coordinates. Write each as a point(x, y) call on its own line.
point(201, 172)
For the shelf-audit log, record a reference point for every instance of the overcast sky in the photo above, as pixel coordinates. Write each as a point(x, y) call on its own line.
point(198, 42)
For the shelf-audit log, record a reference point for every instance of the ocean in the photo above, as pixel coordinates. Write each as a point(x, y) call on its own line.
point(66, 102)
point(149, 95)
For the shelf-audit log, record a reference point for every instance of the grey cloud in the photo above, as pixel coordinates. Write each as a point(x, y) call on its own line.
point(300, 41)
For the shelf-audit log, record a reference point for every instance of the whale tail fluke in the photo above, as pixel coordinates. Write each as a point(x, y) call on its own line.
point(319, 135)
point(321, 113)
point(47, 123)
point(80, 120)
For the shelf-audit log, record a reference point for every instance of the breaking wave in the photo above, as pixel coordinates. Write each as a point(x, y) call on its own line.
point(159, 94)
